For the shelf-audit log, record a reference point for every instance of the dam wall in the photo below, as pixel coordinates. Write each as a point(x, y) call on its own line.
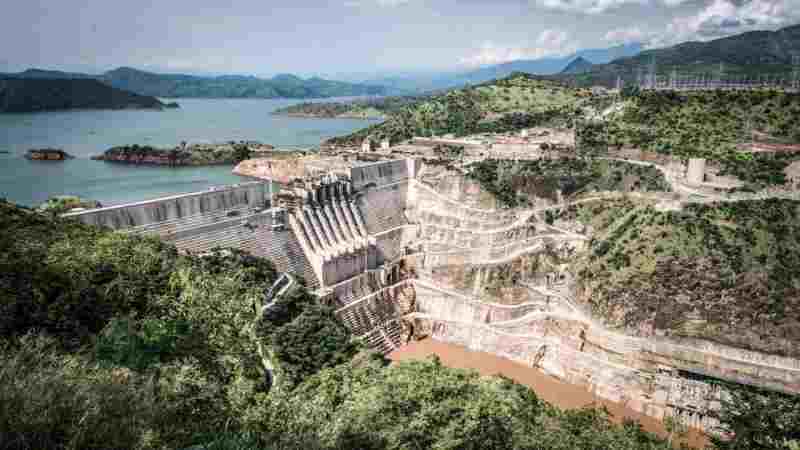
point(384, 207)
point(381, 173)
point(246, 195)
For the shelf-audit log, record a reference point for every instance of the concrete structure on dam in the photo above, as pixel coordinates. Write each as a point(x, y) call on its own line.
point(402, 250)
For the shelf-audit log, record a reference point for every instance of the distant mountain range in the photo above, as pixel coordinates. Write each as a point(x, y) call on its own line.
point(578, 65)
point(226, 86)
point(541, 66)
point(51, 94)
point(747, 54)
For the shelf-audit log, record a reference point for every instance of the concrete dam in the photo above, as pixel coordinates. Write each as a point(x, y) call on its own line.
point(404, 250)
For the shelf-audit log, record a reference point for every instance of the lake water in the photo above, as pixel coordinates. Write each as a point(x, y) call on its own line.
point(86, 133)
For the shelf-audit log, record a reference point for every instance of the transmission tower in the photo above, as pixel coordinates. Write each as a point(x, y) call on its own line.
point(639, 76)
point(720, 74)
point(796, 71)
point(652, 76)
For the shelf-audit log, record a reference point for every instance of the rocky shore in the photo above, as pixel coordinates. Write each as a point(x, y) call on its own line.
point(230, 152)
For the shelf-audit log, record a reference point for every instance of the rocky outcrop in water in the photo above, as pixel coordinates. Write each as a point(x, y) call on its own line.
point(47, 154)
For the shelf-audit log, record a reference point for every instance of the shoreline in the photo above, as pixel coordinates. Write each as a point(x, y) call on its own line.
point(325, 116)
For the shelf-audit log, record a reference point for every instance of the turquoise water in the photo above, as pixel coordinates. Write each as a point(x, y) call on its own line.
point(86, 133)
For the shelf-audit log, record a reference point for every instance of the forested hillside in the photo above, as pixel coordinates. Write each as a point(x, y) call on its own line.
point(225, 86)
point(281, 86)
point(512, 103)
point(41, 94)
point(753, 54)
point(717, 125)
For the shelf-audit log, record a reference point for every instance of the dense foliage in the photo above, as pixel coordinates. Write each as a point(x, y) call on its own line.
point(705, 124)
point(725, 272)
point(716, 125)
point(754, 418)
point(425, 405)
point(518, 183)
point(93, 306)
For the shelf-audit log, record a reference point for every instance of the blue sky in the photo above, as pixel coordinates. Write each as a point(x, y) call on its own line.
point(265, 37)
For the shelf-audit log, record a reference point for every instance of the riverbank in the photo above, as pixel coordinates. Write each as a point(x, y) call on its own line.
point(549, 389)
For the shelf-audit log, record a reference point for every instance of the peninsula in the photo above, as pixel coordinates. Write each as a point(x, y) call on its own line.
point(20, 95)
point(230, 152)
point(373, 108)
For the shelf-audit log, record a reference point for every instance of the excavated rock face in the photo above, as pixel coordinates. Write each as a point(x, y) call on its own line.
point(792, 172)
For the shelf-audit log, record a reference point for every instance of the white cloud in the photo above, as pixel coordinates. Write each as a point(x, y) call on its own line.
point(387, 3)
point(721, 18)
point(585, 6)
point(599, 6)
point(548, 43)
point(628, 35)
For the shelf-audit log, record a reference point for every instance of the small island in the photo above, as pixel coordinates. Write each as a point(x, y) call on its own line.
point(47, 154)
point(231, 152)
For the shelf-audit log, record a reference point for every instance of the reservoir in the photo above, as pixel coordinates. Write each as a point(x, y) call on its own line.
point(87, 133)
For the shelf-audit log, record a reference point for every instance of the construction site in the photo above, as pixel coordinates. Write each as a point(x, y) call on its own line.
point(403, 250)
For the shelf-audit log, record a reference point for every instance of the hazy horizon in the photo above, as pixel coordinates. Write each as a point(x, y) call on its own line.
point(370, 37)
